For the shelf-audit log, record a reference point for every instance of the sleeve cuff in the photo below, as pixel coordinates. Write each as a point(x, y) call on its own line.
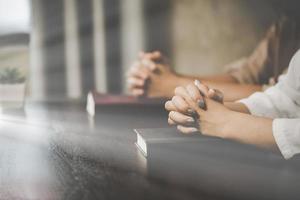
point(249, 104)
point(283, 132)
point(258, 105)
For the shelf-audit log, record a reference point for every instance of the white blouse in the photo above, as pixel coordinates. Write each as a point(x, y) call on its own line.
point(282, 103)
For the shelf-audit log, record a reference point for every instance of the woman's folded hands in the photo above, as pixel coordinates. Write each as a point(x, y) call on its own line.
point(197, 108)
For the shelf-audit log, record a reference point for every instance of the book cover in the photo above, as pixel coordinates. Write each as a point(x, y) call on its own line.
point(208, 164)
point(148, 140)
point(95, 100)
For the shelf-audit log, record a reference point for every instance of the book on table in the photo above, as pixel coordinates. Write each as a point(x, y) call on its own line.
point(199, 161)
point(150, 140)
point(96, 100)
point(154, 142)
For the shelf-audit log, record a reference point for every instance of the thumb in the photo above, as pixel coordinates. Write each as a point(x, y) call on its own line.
point(154, 56)
point(216, 95)
point(162, 67)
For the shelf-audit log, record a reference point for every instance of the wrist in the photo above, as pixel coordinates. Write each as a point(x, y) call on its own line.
point(231, 125)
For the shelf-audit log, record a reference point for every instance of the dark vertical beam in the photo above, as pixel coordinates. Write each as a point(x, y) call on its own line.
point(113, 45)
point(158, 25)
point(85, 20)
point(54, 49)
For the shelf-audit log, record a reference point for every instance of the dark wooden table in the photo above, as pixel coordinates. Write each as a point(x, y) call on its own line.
point(55, 151)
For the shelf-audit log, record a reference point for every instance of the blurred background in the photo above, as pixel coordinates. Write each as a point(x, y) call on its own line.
point(73, 46)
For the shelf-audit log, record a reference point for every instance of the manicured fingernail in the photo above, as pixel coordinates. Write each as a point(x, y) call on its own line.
point(201, 104)
point(194, 130)
point(191, 112)
point(191, 120)
point(171, 113)
point(197, 83)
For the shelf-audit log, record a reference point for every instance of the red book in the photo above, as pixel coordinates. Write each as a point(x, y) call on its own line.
point(95, 99)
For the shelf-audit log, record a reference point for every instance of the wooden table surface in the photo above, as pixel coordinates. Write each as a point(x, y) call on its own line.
point(56, 151)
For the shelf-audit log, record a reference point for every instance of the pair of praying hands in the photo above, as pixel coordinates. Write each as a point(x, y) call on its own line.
point(196, 108)
point(151, 76)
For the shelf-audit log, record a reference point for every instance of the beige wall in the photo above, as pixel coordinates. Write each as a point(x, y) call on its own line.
point(210, 33)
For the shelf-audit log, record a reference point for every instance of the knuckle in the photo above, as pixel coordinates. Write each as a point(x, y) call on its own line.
point(171, 114)
point(134, 82)
point(184, 108)
point(184, 130)
point(192, 89)
point(174, 98)
point(170, 121)
point(130, 80)
point(167, 105)
point(178, 90)
point(190, 86)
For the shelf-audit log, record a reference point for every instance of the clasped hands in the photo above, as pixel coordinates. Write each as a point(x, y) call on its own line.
point(151, 76)
point(196, 108)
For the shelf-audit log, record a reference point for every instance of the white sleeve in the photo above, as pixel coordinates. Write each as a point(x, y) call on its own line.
point(282, 100)
point(273, 103)
point(287, 135)
point(286, 131)
point(282, 103)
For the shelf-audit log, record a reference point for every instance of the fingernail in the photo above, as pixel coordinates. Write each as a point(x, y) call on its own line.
point(191, 120)
point(192, 112)
point(197, 83)
point(194, 130)
point(201, 104)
